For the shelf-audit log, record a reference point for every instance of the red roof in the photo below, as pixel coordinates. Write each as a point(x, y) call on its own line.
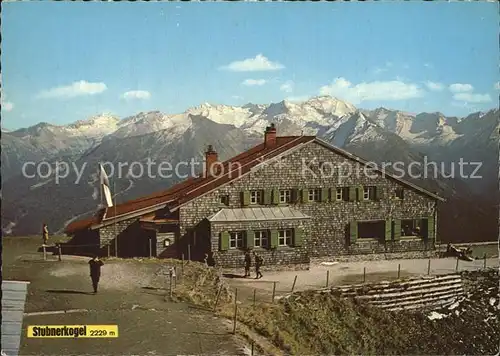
point(81, 224)
point(195, 187)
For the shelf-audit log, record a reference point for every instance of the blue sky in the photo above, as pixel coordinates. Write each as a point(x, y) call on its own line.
point(63, 61)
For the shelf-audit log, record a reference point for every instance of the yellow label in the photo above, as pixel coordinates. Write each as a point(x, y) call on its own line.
point(72, 331)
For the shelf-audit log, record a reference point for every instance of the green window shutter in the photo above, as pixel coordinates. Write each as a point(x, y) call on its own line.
point(274, 238)
point(388, 230)
point(352, 194)
point(333, 194)
point(250, 237)
point(324, 194)
point(224, 240)
point(245, 198)
point(359, 193)
point(297, 236)
point(397, 229)
point(431, 233)
point(295, 195)
point(276, 196)
point(353, 231)
point(379, 192)
point(266, 197)
point(305, 195)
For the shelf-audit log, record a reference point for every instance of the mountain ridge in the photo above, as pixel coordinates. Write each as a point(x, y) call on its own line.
point(376, 135)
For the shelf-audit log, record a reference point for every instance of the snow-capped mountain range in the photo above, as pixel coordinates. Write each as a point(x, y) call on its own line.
point(378, 135)
point(314, 116)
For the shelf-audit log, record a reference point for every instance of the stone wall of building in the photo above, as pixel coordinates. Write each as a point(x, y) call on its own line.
point(281, 256)
point(327, 233)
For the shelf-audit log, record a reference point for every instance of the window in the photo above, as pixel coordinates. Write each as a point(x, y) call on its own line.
point(368, 193)
point(255, 197)
point(314, 194)
point(342, 194)
point(400, 193)
point(371, 229)
point(412, 227)
point(236, 239)
point(261, 239)
point(285, 237)
point(224, 199)
point(285, 196)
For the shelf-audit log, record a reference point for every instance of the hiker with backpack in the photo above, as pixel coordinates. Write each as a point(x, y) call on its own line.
point(258, 263)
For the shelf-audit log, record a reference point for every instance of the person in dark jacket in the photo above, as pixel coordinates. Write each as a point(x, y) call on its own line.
point(248, 263)
point(258, 263)
point(95, 271)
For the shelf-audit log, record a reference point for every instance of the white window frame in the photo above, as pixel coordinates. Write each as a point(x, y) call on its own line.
point(314, 195)
point(285, 196)
point(255, 197)
point(285, 237)
point(339, 194)
point(236, 239)
point(261, 239)
point(368, 192)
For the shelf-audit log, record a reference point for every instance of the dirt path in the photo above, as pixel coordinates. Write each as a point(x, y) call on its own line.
point(346, 273)
point(128, 297)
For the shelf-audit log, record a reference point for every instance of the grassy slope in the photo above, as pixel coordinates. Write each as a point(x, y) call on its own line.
point(324, 324)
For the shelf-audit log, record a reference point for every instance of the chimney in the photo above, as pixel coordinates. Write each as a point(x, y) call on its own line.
point(270, 136)
point(210, 159)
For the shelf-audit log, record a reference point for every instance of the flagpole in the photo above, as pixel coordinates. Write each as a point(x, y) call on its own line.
point(100, 182)
point(114, 204)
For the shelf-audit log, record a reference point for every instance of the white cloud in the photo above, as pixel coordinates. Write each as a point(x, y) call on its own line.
point(79, 88)
point(428, 65)
point(460, 88)
point(497, 86)
point(287, 87)
point(434, 86)
point(257, 64)
point(253, 82)
point(237, 97)
point(472, 98)
point(136, 94)
point(7, 106)
point(378, 90)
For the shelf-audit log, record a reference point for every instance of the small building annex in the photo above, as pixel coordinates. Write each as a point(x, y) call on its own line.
point(292, 198)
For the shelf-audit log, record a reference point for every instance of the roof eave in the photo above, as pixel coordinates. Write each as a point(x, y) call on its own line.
point(253, 169)
point(386, 174)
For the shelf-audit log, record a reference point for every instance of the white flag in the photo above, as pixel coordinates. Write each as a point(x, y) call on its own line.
point(103, 178)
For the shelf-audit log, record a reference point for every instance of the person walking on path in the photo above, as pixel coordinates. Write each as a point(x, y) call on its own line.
point(258, 263)
point(95, 271)
point(248, 263)
point(45, 234)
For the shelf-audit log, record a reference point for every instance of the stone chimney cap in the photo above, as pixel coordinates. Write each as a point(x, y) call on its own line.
point(210, 149)
point(271, 127)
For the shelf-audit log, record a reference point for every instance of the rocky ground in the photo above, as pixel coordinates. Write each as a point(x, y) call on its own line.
point(132, 294)
point(135, 294)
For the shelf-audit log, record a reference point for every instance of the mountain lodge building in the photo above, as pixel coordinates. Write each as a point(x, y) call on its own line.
point(288, 198)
